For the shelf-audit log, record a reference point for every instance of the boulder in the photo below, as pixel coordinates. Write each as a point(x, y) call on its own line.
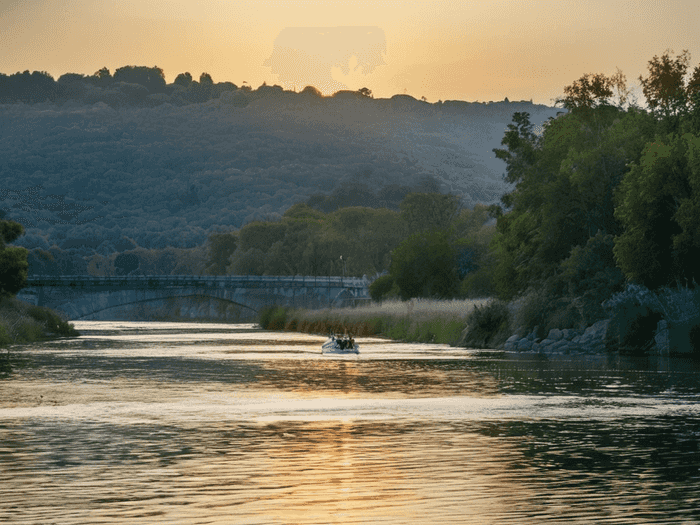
point(510, 343)
point(555, 334)
point(569, 333)
point(524, 345)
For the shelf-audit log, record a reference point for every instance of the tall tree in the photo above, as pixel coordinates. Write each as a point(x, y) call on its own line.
point(13, 259)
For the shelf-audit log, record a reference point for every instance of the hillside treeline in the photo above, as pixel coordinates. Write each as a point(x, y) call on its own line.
point(352, 241)
point(89, 161)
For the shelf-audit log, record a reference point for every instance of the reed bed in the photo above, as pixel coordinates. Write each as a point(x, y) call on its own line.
point(425, 321)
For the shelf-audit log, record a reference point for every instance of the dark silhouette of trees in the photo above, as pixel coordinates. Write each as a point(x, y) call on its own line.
point(183, 79)
point(152, 78)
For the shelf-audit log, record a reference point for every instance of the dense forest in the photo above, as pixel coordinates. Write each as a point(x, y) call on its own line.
point(118, 161)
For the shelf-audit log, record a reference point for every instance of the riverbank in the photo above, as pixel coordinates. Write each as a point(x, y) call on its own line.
point(638, 322)
point(22, 323)
point(416, 321)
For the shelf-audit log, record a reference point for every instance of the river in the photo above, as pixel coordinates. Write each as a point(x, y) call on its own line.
point(205, 423)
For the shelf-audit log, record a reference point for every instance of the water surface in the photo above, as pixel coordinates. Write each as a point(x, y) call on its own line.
point(200, 423)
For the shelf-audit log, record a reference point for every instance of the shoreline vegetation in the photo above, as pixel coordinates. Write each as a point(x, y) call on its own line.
point(416, 321)
point(638, 321)
point(23, 323)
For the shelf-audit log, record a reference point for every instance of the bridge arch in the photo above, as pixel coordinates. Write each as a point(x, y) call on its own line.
point(79, 296)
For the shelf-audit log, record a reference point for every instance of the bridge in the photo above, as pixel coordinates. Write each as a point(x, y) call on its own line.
point(229, 297)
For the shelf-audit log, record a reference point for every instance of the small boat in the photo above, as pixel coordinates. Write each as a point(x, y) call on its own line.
point(340, 345)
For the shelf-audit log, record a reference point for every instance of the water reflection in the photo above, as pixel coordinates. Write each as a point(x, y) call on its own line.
point(248, 427)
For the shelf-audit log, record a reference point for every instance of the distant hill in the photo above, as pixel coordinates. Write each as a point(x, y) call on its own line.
point(167, 171)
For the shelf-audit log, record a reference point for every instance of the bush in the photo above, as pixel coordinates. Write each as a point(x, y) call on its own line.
point(487, 325)
point(273, 318)
point(537, 308)
point(51, 321)
point(381, 287)
point(478, 284)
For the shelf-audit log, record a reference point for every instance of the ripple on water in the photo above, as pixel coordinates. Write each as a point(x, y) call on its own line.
point(116, 430)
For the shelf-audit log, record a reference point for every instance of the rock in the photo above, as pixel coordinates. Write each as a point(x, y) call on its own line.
point(560, 346)
point(569, 333)
point(524, 345)
point(510, 343)
point(546, 342)
point(555, 334)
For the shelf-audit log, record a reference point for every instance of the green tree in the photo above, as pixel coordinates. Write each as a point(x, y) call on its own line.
point(13, 259)
point(665, 87)
point(220, 248)
point(659, 206)
point(564, 185)
point(424, 266)
point(429, 211)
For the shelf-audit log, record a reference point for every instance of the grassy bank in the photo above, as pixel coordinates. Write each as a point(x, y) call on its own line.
point(423, 321)
point(22, 323)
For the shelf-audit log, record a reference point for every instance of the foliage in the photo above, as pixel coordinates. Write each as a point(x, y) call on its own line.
point(487, 325)
point(380, 287)
point(429, 211)
point(273, 318)
point(424, 266)
point(13, 259)
point(665, 86)
point(426, 321)
point(221, 246)
point(659, 206)
point(564, 184)
point(23, 323)
point(590, 276)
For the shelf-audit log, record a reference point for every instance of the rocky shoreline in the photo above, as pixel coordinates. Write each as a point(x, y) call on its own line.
point(599, 338)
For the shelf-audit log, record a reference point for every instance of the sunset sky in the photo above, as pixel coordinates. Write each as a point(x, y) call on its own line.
point(466, 50)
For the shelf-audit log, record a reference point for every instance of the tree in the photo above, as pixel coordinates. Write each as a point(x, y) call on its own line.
point(365, 92)
point(664, 87)
point(564, 185)
point(429, 211)
point(152, 78)
point(424, 266)
point(659, 206)
point(183, 79)
point(589, 91)
point(13, 259)
point(221, 247)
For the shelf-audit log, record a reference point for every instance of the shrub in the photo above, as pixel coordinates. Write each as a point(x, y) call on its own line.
point(486, 325)
point(478, 284)
point(273, 318)
point(381, 287)
point(537, 307)
point(51, 321)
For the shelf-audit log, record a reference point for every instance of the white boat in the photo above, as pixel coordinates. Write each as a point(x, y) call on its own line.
point(337, 345)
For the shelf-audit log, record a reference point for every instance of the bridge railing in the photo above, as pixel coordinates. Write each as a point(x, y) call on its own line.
point(309, 281)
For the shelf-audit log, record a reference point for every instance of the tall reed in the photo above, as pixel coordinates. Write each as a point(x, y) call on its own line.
point(426, 321)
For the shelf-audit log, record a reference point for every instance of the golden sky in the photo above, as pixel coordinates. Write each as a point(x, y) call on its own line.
point(442, 49)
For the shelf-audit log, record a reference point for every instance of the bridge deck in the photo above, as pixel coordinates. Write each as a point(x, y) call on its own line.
point(160, 281)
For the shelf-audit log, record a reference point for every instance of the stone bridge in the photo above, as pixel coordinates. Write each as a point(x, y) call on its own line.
point(223, 297)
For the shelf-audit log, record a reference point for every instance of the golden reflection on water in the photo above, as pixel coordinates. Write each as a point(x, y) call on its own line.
point(193, 426)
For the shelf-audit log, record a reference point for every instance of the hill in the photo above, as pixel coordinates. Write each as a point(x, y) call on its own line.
point(165, 171)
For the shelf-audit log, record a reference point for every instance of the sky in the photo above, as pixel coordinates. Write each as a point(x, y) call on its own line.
point(440, 50)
